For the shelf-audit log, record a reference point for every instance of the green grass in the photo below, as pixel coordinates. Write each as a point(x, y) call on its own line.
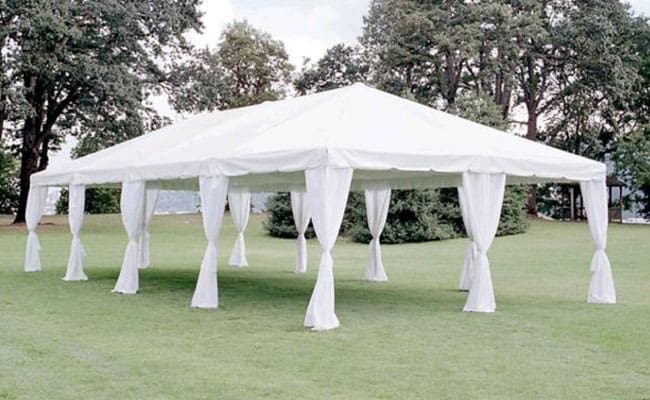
point(404, 339)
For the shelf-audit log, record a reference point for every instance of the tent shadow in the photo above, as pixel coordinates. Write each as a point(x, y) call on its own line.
point(239, 288)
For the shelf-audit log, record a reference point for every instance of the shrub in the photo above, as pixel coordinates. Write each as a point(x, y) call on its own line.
point(513, 213)
point(8, 183)
point(413, 216)
point(98, 201)
point(279, 221)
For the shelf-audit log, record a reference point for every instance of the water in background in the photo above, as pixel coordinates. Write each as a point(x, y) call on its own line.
point(170, 202)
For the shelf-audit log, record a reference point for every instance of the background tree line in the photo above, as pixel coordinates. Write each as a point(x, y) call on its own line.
point(573, 74)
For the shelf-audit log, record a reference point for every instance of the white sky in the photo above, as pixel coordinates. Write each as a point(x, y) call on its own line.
point(307, 28)
point(641, 6)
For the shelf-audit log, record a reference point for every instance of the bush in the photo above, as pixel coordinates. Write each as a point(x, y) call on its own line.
point(279, 221)
point(8, 183)
point(98, 201)
point(412, 217)
point(513, 213)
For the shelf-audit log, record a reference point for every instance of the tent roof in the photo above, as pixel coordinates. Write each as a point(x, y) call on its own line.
point(384, 138)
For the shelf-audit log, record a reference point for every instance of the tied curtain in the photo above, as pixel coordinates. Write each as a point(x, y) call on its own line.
point(327, 194)
point(377, 203)
point(151, 199)
point(470, 253)
point(132, 205)
point(601, 284)
point(483, 197)
point(213, 191)
point(300, 211)
point(35, 206)
point(76, 202)
point(240, 207)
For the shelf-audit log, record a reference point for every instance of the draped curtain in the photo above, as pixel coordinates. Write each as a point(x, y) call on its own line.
point(35, 205)
point(470, 253)
point(601, 284)
point(240, 207)
point(76, 201)
point(300, 211)
point(132, 205)
point(151, 199)
point(327, 194)
point(213, 191)
point(483, 197)
point(377, 203)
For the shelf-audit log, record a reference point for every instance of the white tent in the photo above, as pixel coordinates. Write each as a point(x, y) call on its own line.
point(323, 145)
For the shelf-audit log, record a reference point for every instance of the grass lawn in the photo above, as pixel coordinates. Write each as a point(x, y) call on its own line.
point(397, 340)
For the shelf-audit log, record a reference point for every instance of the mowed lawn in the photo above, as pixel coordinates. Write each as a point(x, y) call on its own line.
point(399, 340)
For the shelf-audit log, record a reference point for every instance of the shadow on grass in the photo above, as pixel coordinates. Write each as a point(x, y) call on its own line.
point(256, 288)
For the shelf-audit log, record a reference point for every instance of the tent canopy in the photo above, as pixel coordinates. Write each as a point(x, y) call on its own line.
point(268, 146)
point(319, 147)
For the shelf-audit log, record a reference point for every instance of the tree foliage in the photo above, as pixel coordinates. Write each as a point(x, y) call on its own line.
point(247, 67)
point(8, 183)
point(98, 201)
point(83, 68)
point(340, 66)
point(571, 64)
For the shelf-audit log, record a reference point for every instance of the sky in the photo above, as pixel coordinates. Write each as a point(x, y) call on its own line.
point(307, 28)
point(641, 7)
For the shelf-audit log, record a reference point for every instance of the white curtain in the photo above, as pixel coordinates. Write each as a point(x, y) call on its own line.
point(213, 192)
point(132, 204)
point(151, 199)
point(377, 202)
point(300, 210)
point(483, 197)
point(76, 200)
point(240, 207)
point(35, 206)
point(470, 253)
point(601, 285)
point(327, 194)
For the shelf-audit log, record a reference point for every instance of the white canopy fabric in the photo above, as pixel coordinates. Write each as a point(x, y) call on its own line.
point(483, 197)
point(326, 144)
point(377, 204)
point(151, 199)
point(327, 194)
point(33, 214)
point(240, 208)
point(214, 191)
point(300, 212)
point(132, 207)
point(382, 137)
point(76, 203)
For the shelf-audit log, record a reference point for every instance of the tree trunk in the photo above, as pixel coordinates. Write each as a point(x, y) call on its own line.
point(531, 133)
point(28, 165)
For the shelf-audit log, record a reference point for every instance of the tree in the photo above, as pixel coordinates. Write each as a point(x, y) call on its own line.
point(632, 154)
point(8, 183)
point(97, 201)
point(632, 160)
point(80, 68)
point(597, 79)
point(570, 64)
point(247, 67)
point(340, 66)
point(421, 48)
